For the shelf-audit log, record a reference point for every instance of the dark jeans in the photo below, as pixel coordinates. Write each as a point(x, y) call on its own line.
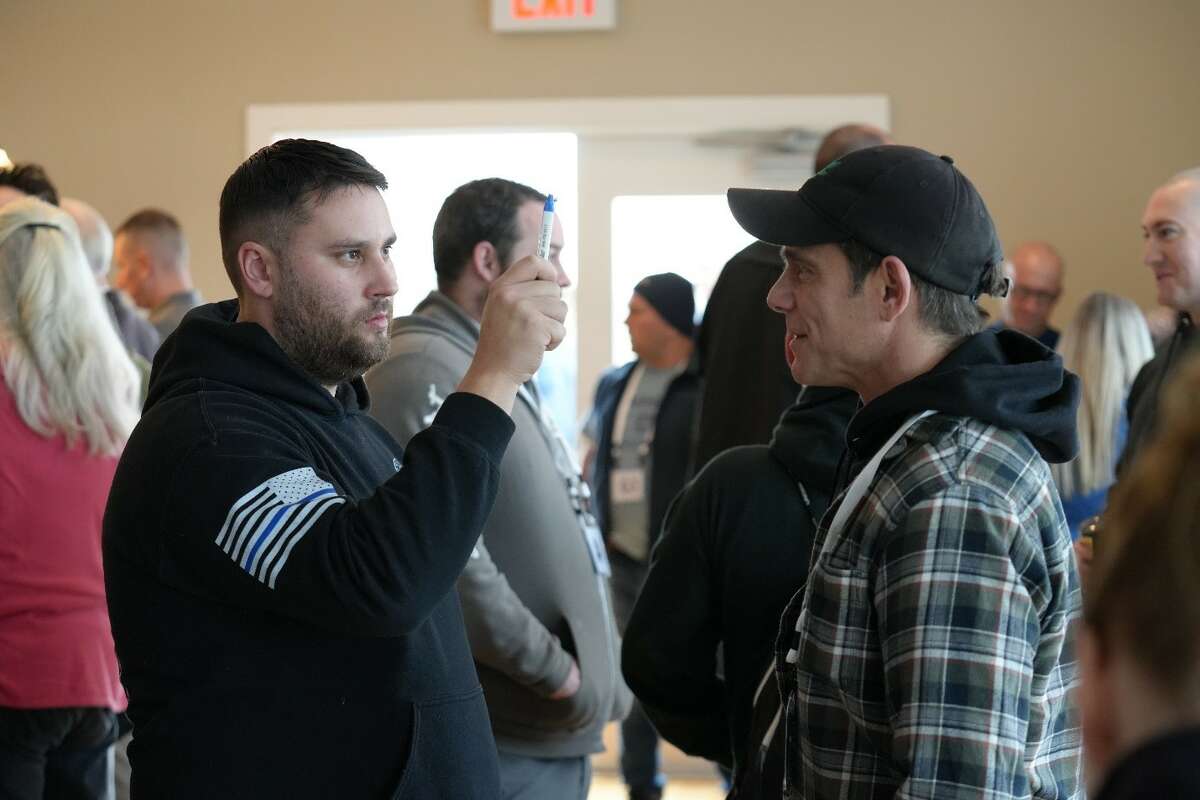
point(56, 753)
point(640, 759)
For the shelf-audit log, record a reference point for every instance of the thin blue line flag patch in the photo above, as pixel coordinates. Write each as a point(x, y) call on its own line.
point(268, 521)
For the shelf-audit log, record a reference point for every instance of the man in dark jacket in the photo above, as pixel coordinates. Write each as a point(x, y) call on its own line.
point(1171, 227)
point(931, 654)
point(279, 572)
point(1037, 273)
point(642, 421)
point(534, 593)
point(730, 558)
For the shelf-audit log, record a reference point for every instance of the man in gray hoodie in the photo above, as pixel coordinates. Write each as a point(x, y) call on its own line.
point(535, 591)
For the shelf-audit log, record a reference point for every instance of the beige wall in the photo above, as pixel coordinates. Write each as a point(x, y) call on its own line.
point(1064, 113)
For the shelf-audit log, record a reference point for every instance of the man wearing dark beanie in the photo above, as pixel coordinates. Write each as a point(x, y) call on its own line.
point(642, 420)
point(671, 296)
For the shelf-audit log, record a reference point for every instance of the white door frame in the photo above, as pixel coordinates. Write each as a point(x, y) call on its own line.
point(643, 116)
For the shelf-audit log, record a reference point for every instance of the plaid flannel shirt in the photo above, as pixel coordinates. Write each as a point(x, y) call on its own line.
point(932, 651)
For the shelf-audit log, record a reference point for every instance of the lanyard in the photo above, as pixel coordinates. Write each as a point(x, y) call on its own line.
point(853, 496)
point(862, 482)
point(564, 462)
point(559, 449)
point(850, 500)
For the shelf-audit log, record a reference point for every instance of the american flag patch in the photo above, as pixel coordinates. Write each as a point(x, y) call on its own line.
point(269, 520)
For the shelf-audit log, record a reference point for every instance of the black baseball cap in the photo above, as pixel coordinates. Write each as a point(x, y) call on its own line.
point(896, 200)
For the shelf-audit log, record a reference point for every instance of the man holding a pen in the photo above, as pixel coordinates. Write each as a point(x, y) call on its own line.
point(279, 572)
point(534, 593)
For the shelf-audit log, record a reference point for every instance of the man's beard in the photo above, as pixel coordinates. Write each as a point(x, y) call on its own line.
point(329, 347)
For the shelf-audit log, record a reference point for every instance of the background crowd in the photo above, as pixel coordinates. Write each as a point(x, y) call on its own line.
point(663, 563)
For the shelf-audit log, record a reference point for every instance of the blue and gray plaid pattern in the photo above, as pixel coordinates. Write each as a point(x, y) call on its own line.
point(933, 656)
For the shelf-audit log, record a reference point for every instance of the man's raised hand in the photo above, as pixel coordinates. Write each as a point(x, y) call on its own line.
point(522, 319)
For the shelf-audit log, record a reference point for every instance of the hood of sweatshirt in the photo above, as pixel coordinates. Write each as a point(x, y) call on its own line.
point(211, 348)
point(1002, 378)
point(810, 439)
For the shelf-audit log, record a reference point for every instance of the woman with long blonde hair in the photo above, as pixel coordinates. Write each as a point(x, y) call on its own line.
point(1106, 344)
point(68, 402)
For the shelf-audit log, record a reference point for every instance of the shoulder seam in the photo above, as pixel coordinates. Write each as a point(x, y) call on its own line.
point(202, 402)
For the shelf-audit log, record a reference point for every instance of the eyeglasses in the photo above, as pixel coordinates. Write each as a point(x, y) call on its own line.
point(1040, 296)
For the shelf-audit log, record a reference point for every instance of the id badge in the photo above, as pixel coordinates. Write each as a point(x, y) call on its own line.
point(595, 546)
point(628, 485)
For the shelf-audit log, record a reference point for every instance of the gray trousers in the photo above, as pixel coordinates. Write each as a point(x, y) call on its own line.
point(528, 778)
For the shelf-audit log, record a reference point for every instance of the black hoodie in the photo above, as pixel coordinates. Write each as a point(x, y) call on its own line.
point(734, 549)
point(1166, 766)
point(1143, 394)
point(1002, 378)
point(280, 588)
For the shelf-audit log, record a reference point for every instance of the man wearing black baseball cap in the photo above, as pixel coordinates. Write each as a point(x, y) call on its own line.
point(929, 654)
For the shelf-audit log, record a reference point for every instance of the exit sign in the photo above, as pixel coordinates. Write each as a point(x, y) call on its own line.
point(514, 16)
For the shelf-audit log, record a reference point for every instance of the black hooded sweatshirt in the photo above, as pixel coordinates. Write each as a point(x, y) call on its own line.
point(1166, 766)
point(280, 581)
point(734, 549)
point(1003, 378)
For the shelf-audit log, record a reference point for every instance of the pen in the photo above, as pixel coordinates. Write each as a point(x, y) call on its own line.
point(543, 246)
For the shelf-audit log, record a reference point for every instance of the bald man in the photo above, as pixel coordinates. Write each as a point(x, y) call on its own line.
point(1037, 271)
point(846, 139)
point(151, 257)
point(138, 335)
point(1171, 230)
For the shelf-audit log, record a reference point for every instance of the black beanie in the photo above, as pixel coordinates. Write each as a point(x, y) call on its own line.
point(671, 296)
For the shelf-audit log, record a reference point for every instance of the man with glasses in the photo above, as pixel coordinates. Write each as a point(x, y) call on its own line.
point(1037, 271)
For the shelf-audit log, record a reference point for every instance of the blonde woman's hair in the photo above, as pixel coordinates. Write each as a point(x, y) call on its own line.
point(60, 354)
point(1106, 344)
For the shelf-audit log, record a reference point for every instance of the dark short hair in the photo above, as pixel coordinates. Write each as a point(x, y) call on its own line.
point(479, 211)
point(942, 311)
point(273, 191)
point(30, 179)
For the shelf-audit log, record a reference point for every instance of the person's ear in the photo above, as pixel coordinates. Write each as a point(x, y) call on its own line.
point(259, 269)
point(895, 288)
point(485, 262)
point(142, 266)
